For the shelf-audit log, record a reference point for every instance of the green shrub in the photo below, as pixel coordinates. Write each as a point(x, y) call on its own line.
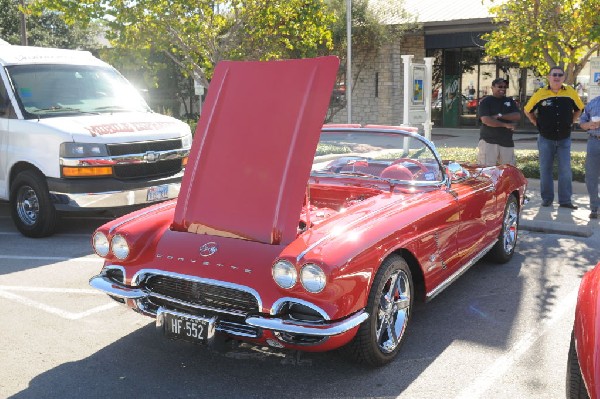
point(527, 161)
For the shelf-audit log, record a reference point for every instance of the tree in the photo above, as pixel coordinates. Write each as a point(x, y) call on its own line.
point(198, 34)
point(45, 29)
point(539, 34)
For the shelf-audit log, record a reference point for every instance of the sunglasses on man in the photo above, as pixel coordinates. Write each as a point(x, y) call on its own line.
point(557, 75)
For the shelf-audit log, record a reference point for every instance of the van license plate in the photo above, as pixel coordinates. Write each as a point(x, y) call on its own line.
point(157, 193)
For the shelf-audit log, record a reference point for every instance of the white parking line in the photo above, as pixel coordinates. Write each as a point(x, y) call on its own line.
point(14, 233)
point(53, 310)
point(55, 258)
point(51, 290)
point(482, 383)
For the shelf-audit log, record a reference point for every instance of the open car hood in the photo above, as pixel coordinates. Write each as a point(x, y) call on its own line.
point(253, 149)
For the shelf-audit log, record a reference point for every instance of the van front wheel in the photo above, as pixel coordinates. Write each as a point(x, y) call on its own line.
point(31, 209)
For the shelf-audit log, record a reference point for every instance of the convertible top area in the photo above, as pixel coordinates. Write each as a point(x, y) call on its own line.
point(253, 149)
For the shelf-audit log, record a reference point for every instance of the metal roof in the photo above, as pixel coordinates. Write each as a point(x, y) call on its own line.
point(433, 12)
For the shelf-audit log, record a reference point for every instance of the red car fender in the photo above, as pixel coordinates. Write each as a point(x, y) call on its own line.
point(587, 330)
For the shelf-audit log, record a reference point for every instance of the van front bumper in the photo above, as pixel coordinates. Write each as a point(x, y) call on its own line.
point(84, 194)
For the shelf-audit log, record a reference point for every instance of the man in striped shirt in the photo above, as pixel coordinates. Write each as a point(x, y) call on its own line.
point(553, 110)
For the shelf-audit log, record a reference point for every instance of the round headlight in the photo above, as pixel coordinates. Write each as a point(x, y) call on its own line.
point(101, 244)
point(119, 247)
point(312, 278)
point(284, 274)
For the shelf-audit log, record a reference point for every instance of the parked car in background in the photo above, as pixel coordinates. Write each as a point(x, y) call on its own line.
point(292, 235)
point(76, 136)
point(583, 367)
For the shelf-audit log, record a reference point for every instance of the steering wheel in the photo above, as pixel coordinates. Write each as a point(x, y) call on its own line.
point(422, 168)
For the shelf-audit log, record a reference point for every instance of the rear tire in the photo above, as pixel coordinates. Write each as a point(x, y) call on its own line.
point(31, 209)
point(575, 386)
point(380, 337)
point(504, 249)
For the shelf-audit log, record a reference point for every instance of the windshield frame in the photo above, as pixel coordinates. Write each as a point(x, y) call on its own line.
point(381, 131)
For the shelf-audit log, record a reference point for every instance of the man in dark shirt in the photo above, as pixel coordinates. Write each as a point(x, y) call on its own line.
point(497, 113)
point(554, 109)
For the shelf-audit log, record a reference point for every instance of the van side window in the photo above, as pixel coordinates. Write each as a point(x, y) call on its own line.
point(6, 110)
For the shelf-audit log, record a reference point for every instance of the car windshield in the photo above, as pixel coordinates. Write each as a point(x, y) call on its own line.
point(57, 90)
point(382, 154)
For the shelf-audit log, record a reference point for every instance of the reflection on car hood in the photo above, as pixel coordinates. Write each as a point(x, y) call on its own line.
point(253, 149)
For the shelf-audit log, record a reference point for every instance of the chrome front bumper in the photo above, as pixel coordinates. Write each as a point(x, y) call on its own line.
point(275, 324)
point(117, 199)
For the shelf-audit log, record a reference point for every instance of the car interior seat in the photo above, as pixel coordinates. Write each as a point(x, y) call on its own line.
point(398, 172)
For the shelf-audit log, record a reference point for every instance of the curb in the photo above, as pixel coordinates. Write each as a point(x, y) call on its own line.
point(555, 228)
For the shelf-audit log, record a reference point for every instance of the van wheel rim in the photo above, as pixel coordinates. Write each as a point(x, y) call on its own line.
point(28, 207)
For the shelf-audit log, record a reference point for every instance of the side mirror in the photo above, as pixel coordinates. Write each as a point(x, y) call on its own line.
point(456, 171)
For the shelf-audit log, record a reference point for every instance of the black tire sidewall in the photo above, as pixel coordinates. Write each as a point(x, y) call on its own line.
point(46, 221)
point(373, 354)
point(498, 253)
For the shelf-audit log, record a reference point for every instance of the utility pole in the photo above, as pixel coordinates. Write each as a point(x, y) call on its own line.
point(349, 60)
point(23, 25)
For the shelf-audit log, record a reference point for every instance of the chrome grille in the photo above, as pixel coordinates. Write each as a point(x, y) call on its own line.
point(143, 147)
point(202, 294)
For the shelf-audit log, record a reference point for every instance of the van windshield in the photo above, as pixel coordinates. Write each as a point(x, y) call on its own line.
point(57, 90)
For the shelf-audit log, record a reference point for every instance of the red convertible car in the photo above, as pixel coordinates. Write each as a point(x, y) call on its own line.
point(294, 235)
point(583, 367)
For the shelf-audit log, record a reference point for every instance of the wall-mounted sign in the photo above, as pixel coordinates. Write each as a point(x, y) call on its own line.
point(416, 110)
point(594, 86)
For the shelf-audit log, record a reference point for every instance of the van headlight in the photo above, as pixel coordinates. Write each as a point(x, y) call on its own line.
point(312, 278)
point(82, 150)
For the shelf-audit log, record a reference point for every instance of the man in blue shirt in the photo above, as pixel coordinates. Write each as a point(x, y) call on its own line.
point(590, 121)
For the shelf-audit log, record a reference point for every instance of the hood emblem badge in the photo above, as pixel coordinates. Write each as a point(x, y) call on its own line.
point(208, 249)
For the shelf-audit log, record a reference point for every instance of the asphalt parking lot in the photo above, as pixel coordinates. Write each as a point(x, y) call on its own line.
point(500, 331)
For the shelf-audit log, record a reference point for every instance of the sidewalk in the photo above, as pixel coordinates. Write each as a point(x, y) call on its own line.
point(534, 217)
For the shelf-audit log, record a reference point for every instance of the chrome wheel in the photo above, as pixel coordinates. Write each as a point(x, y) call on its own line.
point(505, 245)
point(379, 338)
point(393, 312)
point(510, 227)
point(31, 208)
point(27, 205)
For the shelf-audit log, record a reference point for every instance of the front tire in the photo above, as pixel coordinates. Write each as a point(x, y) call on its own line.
point(504, 249)
point(575, 386)
point(380, 337)
point(31, 209)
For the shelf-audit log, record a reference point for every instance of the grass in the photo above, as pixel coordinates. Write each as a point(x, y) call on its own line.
point(527, 161)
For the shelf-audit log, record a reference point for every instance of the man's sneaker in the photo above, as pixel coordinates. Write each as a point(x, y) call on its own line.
point(546, 203)
point(594, 214)
point(569, 205)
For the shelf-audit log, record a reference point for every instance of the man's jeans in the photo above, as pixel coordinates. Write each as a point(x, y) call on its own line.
point(561, 149)
point(592, 170)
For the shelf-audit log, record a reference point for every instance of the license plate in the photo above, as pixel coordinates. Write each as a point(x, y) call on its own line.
point(157, 193)
point(186, 327)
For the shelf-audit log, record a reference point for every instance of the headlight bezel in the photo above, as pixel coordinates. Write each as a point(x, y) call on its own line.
point(100, 236)
point(313, 278)
point(119, 247)
point(283, 269)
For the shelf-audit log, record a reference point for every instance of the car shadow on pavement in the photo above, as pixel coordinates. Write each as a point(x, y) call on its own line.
point(144, 364)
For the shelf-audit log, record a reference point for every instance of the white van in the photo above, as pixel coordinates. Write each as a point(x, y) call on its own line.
point(75, 135)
